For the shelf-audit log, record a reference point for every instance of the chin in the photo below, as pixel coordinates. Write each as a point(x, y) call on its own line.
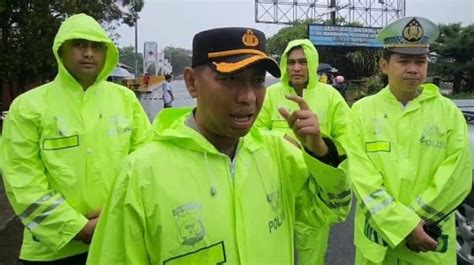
point(242, 132)
point(413, 83)
point(237, 133)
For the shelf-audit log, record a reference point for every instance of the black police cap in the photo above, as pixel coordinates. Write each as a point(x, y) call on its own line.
point(231, 50)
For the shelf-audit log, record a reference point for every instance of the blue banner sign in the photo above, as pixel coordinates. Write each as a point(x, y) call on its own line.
point(324, 35)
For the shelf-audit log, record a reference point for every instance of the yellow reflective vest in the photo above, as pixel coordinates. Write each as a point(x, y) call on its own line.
point(62, 147)
point(406, 164)
point(332, 112)
point(196, 206)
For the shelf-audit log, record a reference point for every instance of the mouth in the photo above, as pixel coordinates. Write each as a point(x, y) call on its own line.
point(411, 79)
point(87, 64)
point(242, 120)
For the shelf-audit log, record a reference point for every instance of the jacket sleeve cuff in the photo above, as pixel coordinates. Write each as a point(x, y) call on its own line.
point(72, 228)
point(331, 158)
point(333, 179)
point(407, 220)
point(404, 230)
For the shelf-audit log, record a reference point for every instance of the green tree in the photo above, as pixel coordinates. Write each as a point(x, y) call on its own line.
point(179, 58)
point(352, 62)
point(277, 43)
point(27, 30)
point(455, 48)
point(127, 57)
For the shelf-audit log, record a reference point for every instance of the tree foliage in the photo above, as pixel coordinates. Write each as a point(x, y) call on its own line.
point(28, 28)
point(179, 58)
point(277, 43)
point(455, 48)
point(127, 57)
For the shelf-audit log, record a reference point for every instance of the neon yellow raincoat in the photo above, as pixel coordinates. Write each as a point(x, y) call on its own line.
point(406, 164)
point(196, 206)
point(62, 147)
point(332, 113)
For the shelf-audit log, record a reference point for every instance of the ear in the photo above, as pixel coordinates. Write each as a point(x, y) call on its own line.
point(383, 64)
point(190, 81)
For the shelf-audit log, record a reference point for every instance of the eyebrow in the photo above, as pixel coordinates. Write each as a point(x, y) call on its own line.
point(297, 59)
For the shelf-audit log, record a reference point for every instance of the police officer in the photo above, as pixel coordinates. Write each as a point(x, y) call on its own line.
point(63, 143)
point(409, 157)
point(298, 65)
point(225, 192)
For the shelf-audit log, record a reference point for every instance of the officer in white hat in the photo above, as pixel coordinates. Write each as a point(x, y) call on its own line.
point(409, 158)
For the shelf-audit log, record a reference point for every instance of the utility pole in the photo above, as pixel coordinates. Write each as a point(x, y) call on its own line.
point(136, 41)
point(333, 12)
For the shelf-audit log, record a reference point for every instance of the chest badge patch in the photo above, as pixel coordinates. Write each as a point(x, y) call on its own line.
point(188, 220)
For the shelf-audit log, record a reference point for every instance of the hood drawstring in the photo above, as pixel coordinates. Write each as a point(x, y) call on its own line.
point(268, 195)
point(213, 189)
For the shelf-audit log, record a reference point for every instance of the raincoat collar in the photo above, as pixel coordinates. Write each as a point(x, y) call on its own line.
point(428, 91)
point(170, 125)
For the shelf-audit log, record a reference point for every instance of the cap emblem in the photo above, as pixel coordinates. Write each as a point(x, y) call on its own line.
point(249, 39)
point(413, 31)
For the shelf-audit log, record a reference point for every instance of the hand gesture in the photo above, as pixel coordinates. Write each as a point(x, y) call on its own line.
point(305, 125)
point(418, 240)
point(86, 233)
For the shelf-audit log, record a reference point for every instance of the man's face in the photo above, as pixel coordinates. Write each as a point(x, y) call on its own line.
point(83, 59)
point(227, 105)
point(297, 67)
point(405, 72)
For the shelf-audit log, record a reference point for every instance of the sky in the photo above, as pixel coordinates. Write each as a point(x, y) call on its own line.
point(174, 22)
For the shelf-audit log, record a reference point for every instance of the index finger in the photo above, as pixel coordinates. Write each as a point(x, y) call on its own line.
point(301, 102)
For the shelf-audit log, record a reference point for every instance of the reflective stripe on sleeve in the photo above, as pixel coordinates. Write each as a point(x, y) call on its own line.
point(374, 196)
point(379, 207)
point(28, 211)
point(47, 212)
point(425, 207)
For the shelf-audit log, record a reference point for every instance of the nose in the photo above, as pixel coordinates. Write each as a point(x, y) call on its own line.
point(297, 67)
point(88, 51)
point(246, 93)
point(413, 68)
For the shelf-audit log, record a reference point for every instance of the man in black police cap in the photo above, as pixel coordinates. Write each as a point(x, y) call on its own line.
point(409, 158)
point(220, 190)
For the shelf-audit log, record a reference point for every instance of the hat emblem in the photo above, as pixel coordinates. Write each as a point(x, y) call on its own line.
point(413, 31)
point(249, 38)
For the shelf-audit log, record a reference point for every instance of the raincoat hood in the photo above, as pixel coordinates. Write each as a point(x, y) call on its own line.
point(312, 57)
point(82, 26)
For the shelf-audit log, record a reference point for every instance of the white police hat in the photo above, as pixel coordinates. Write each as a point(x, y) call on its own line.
point(409, 35)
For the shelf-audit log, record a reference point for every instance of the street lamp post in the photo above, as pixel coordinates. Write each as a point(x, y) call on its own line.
point(136, 44)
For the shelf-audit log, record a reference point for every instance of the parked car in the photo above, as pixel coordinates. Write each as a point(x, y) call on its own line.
point(465, 212)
